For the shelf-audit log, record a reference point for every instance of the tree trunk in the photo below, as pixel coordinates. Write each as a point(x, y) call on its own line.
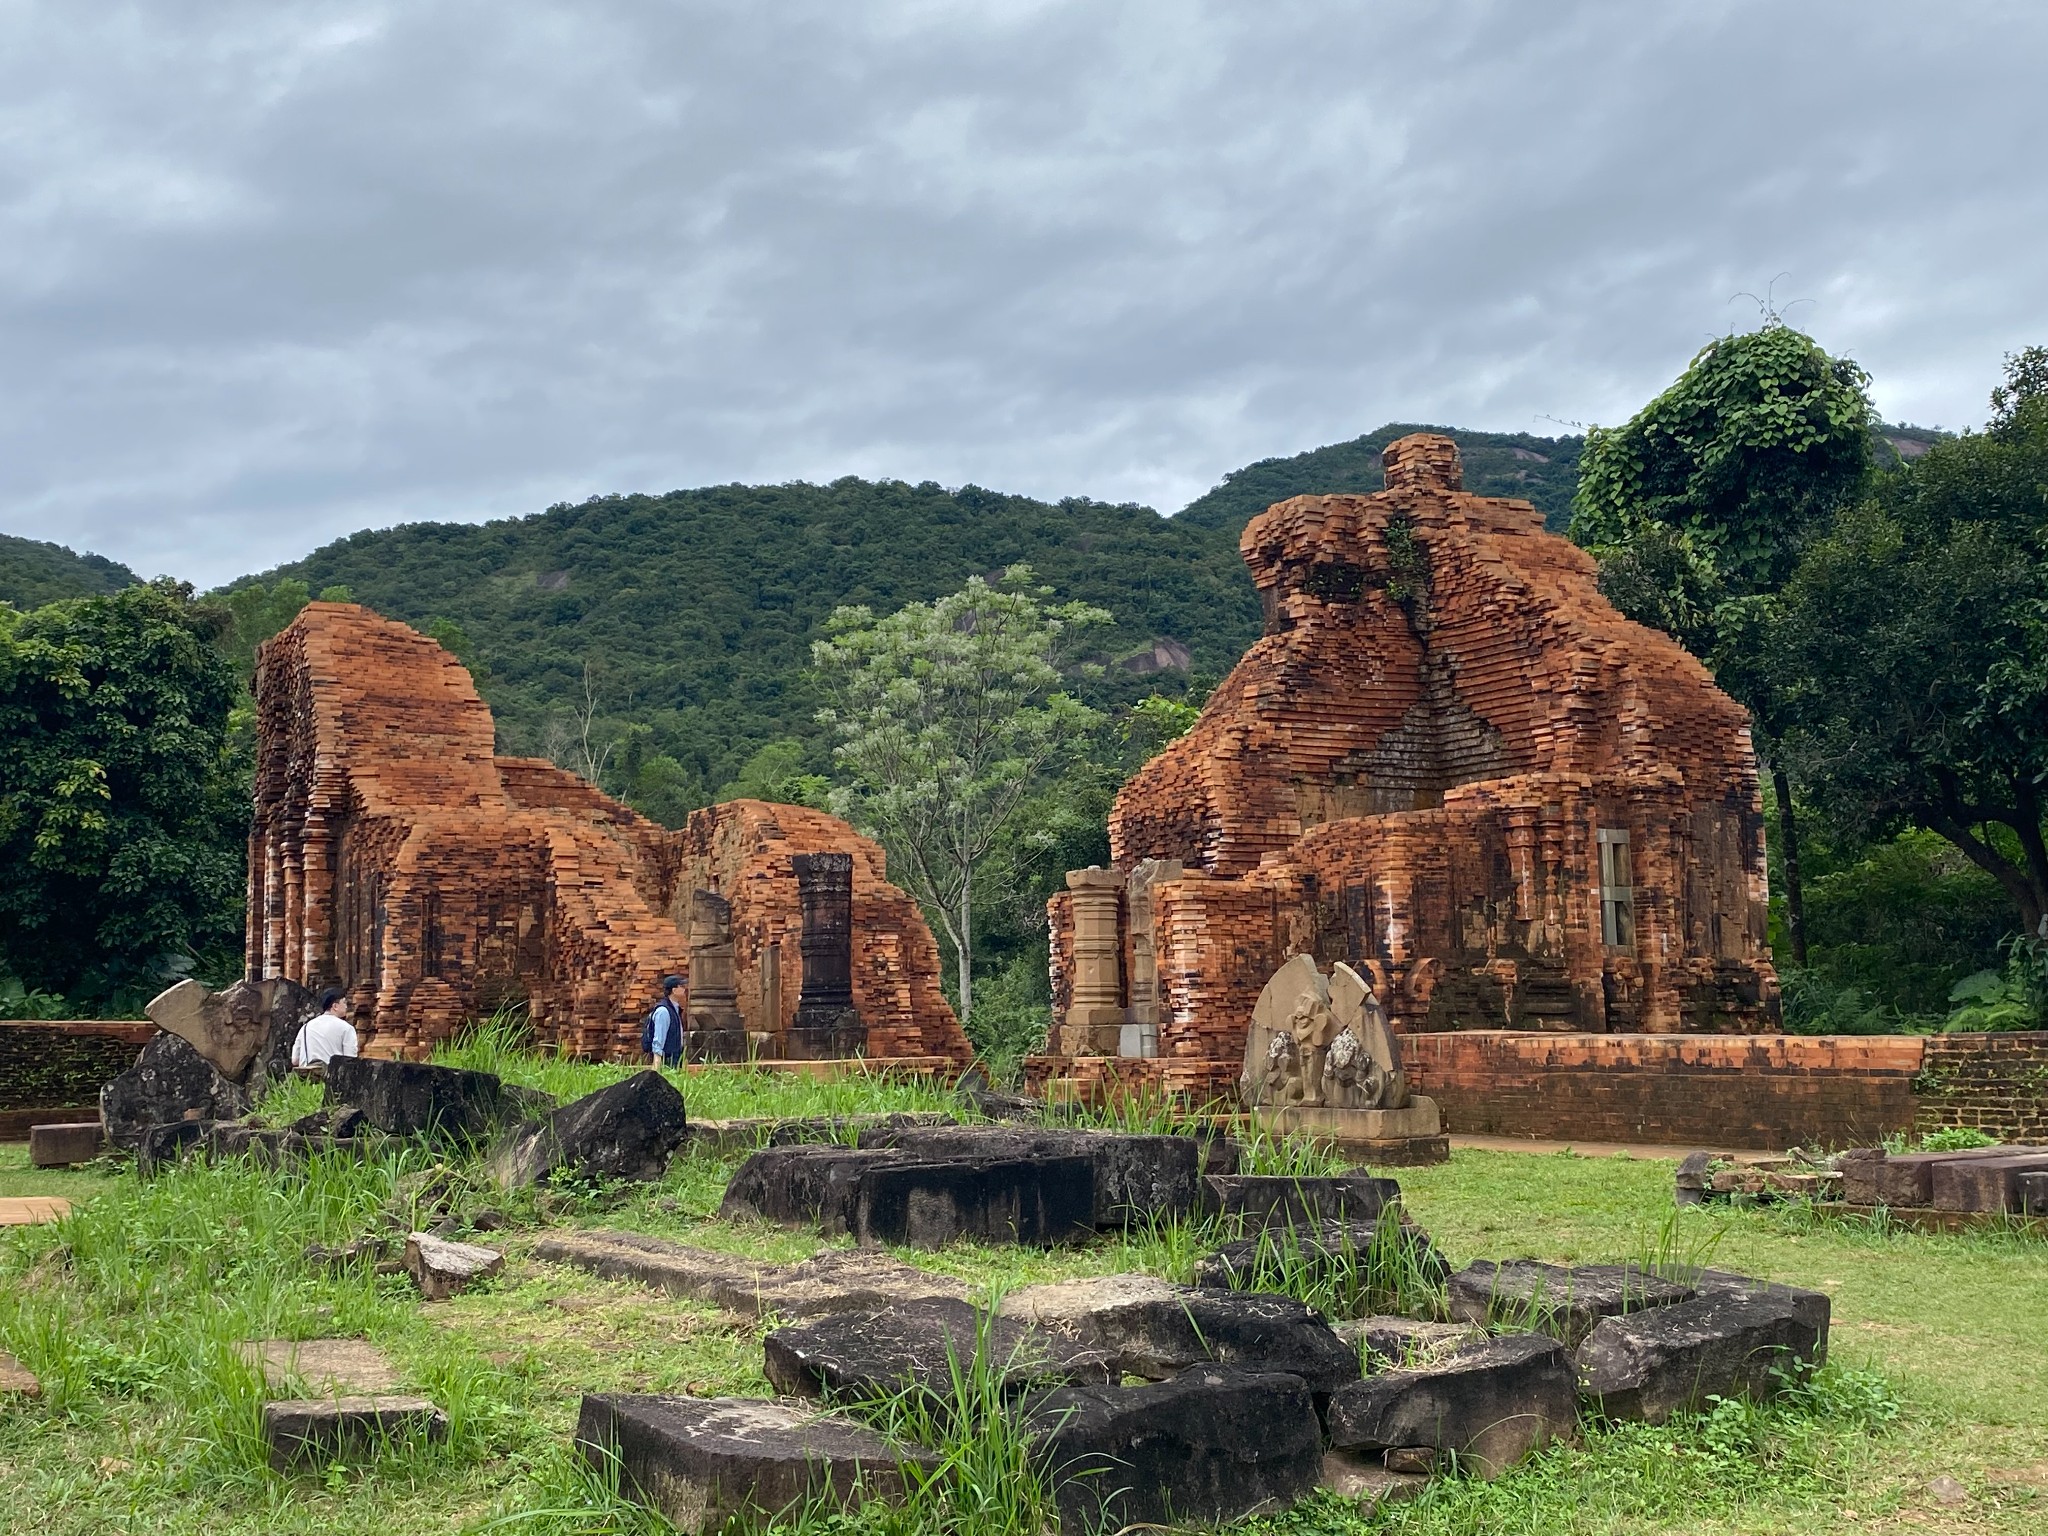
point(964, 948)
point(1788, 853)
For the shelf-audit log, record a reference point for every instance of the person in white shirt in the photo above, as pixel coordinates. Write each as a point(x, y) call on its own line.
point(327, 1034)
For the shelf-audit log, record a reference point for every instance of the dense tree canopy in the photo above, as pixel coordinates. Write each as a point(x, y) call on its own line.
point(122, 816)
point(33, 573)
point(1911, 648)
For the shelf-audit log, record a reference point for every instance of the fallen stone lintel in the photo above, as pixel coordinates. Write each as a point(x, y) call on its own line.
point(840, 1280)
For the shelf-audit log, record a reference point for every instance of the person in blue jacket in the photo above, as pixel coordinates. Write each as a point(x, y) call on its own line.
point(661, 1034)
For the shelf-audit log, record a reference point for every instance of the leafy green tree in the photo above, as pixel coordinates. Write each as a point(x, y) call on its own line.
point(123, 819)
point(776, 773)
point(948, 716)
point(1911, 648)
point(1698, 507)
point(257, 612)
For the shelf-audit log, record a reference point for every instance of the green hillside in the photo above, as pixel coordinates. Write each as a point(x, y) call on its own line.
point(695, 611)
point(1542, 470)
point(33, 573)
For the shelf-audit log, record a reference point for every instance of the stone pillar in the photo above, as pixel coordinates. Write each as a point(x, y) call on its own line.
point(717, 1032)
point(1140, 1033)
point(1095, 1019)
point(826, 1024)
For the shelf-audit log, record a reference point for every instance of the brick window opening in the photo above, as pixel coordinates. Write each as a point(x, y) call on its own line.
point(1617, 894)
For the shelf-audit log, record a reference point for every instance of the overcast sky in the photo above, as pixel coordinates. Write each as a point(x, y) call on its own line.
point(270, 273)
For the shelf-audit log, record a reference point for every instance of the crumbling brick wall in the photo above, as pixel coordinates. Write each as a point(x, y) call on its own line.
point(1994, 1083)
point(1413, 770)
point(394, 853)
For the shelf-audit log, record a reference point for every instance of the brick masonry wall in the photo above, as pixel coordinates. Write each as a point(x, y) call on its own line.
point(61, 1065)
point(1762, 1092)
point(1992, 1083)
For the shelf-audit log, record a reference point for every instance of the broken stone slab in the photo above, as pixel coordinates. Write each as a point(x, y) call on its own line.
point(1137, 1177)
point(1723, 1343)
point(1858, 1168)
point(1396, 1342)
point(1270, 1200)
point(1985, 1184)
point(1212, 1445)
point(1908, 1180)
point(170, 1082)
point(335, 1122)
point(628, 1130)
point(702, 1462)
point(885, 1196)
point(246, 1031)
point(1549, 1298)
point(373, 1248)
point(842, 1280)
point(1366, 1479)
point(414, 1098)
point(62, 1146)
point(1694, 1178)
point(323, 1367)
point(16, 1380)
point(160, 1146)
point(1156, 1329)
point(443, 1269)
point(346, 1429)
point(1489, 1403)
point(727, 1138)
point(921, 1346)
point(1343, 1255)
point(1813, 1309)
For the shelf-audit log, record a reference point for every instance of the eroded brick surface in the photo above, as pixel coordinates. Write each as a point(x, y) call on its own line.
point(1412, 769)
point(394, 853)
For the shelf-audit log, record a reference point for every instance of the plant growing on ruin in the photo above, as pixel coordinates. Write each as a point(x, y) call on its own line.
point(948, 715)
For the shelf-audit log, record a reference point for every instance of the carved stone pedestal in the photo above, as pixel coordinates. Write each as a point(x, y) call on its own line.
point(1404, 1138)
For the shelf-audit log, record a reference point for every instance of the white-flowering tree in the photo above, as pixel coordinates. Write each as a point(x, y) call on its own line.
point(948, 715)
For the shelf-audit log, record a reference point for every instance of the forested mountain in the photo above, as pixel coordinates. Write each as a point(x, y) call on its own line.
point(33, 573)
point(694, 612)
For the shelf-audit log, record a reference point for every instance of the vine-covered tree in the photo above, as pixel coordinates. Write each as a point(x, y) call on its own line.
point(1697, 510)
point(123, 818)
point(1911, 648)
point(948, 715)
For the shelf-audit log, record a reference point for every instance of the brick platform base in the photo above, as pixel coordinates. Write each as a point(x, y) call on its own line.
point(1738, 1092)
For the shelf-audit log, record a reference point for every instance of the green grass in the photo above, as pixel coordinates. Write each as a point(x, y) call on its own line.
point(130, 1309)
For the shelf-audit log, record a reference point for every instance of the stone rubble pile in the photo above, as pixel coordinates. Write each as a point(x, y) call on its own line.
point(1147, 1401)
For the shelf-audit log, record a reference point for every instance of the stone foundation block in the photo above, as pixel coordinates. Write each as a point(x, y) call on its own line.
point(1210, 1446)
point(701, 1462)
point(346, 1429)
point(920, 1346)
point(1650, 1365)
point(1548, 1298)
point(1490, 1404)
point(628, 1130)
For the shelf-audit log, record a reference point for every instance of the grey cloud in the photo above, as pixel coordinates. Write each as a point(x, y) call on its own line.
point(269, 274)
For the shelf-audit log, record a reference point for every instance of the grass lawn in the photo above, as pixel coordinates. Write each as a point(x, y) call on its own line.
point(130, 1312)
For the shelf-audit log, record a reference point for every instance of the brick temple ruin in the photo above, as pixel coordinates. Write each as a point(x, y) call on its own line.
point(394, 853)
point(1449, 762)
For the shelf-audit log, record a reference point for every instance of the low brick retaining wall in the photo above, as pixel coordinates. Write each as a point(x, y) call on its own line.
point(52, 1071)
point(1763, 1092)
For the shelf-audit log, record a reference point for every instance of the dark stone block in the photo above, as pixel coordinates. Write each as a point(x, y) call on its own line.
point(629, 1130)
point(1813, 1309)
point(1268, 1200)
point(1035, 1201)
point(701, 1462)
point(162, 1145)
point(886, 1196)
point(412, 1098)
point(1333, 1253)
point(2032, 1190)
point(1491, 1403)
point(1548, 1298)
point(1212, 1445)
point(1650, 1365)
point(1986, 1183)
point(1156, 1329)
point(170, 1081)
point(1136, 1177)
point(919, 1346)
point(60, 1146)
point(322, 1431)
